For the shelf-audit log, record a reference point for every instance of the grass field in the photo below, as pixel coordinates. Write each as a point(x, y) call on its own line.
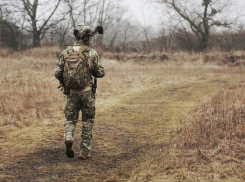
point(177, 119)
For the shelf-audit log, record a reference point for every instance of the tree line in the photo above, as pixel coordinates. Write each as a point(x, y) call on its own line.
point(188, 25)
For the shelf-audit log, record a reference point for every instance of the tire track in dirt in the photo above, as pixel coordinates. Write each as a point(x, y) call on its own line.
point(126, 137)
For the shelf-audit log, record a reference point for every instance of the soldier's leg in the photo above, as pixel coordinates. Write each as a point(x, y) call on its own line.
point(71, 114)
point(88, 113)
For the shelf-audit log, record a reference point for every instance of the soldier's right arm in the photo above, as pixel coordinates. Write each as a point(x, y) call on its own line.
point(59, 70)
point(97, 68)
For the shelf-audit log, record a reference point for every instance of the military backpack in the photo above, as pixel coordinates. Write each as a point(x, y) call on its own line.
point(76, 68)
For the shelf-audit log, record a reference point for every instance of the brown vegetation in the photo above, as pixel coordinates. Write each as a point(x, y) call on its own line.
point(139, 102)
point(30, 88)
point(212, 140)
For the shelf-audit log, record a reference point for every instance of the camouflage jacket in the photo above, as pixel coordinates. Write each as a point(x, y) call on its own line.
point(96, 67)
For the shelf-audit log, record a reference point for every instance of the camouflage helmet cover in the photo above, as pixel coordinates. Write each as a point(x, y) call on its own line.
point(83, 29)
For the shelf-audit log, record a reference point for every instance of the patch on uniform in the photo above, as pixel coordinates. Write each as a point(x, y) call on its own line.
point(72, 60)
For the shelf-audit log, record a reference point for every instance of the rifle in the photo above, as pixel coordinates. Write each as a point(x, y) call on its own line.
point(94, 86)
point(63, 87)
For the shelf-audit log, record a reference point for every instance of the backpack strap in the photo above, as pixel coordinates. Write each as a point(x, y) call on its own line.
point(81, 50)
point(90, 63)
point(70, 52)
point(69, 49)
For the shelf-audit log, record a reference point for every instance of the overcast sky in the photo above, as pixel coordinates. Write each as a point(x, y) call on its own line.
point(143, 11)
point(151, 14)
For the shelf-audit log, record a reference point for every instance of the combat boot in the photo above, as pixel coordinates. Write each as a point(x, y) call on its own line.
point(84, 156)
point(69, 151)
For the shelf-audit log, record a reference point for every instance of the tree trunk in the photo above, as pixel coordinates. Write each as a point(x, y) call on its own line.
point(36, 39)
point(203, 45)
point(149, 45)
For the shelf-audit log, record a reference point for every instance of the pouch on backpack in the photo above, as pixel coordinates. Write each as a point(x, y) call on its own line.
point(75, 69)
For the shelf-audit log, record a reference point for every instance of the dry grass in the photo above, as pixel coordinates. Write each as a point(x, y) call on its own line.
point(209, 142)
point(219, 119)
point(213, 138)
point(29, 90)
point(5, 52)
point(26, 94)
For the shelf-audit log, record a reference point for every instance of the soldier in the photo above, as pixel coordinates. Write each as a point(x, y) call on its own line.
point(75, 68)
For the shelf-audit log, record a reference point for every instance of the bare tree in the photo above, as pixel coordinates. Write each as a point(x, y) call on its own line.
point(89, 12)
point(166, 34)
point(102, 17)
point(38, 30)
point(116, 22)
point(9, 32)
point(129, 35)
point(63, 30)
point(81, 11)
point(183, 36)
point(145, 30)
point(200, 20)
point(71, 11)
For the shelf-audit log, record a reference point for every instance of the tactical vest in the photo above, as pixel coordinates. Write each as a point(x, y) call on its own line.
point(76, 68)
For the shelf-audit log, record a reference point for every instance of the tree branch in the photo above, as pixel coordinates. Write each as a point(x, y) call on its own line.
point(45, 23)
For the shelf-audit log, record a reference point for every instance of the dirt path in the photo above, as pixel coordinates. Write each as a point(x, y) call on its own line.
point(126, 138)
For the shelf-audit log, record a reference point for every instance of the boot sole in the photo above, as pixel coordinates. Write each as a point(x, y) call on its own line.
point(69, 151)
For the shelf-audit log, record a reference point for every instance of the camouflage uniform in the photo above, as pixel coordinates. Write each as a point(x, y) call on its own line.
point(81, 99)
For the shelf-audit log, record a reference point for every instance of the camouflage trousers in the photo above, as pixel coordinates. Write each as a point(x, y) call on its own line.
point(86, 103)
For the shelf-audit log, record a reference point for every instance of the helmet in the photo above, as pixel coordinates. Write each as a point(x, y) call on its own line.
point(84, 29)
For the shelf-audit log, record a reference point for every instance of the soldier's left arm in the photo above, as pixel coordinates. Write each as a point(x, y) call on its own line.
point(97, 68)
point(59, 69)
